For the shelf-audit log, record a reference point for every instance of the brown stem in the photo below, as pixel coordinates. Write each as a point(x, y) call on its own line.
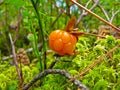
point(16, 63)
point(103, 20)
point(78, 33)
point(82, 33)
point(94, 35)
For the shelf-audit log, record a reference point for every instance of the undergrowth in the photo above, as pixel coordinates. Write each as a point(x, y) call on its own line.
point(104, 76)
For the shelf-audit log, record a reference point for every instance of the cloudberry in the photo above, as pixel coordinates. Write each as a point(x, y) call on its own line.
point(62, 42)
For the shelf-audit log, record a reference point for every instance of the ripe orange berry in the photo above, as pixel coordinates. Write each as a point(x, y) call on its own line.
point(62, 42)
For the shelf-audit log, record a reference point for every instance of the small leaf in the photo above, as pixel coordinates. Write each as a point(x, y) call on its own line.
point(71, 24)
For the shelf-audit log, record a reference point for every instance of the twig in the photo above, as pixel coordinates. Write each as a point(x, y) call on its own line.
point(90, 34)
point(97, 61)
point(79, 33)
point(114, 15)
point(82, 15)
point(15, 62)
point(101, 19)
point(55, 71)
point(28, 50)
point(102, 9)
point(85, 13)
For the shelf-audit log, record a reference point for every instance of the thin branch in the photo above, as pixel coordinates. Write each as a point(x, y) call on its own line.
point(79, 33)
point(95, 15)
point(95, 4)
point(28, 50)
point(55, 71)
point(114, 15)
point(16, 63)
point(82, 15)
point(85, 13)
point(103, 10)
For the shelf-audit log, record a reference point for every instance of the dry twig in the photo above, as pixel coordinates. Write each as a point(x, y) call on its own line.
point(113, 16)
point(55, 71)
point(16, 63)
point(28, 50)
point(84, 13)
point(90, 12)
point(103, 10)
